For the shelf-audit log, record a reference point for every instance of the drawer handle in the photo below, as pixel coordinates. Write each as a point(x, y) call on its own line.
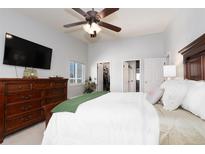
point(26, 97)
point(26, 107)
point(26, 118)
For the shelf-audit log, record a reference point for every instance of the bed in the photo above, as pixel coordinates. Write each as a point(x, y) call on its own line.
point(180, 127)
point(127, 118)
point(175, 127)
point(114, 118)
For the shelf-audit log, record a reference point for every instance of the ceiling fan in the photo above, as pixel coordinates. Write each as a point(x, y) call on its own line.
point(93, 21)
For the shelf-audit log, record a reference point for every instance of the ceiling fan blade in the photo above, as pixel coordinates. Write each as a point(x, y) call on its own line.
point(109, 26)
point(80, 11)
point(106, 12)
point(75, 24)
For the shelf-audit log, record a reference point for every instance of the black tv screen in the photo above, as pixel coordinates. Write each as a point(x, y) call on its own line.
point(21, 52)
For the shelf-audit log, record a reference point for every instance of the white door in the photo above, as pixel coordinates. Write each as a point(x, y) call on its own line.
point(153, 73)
point(125, 77)
point(100, 77)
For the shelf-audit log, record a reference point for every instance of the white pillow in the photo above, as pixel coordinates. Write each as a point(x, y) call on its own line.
point(154, 95)
point(166, 83)
point(195, 99)
point(174, 93)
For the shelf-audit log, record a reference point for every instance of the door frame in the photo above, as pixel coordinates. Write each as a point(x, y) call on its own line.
point(125, 87)
point(97, 71)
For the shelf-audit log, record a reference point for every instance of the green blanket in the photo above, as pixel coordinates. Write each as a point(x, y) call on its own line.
point(72, 104)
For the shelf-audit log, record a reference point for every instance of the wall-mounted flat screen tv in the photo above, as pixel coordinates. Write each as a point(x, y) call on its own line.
point(21, 52)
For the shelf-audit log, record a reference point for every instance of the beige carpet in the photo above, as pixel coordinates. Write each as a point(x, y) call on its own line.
point(30, 136)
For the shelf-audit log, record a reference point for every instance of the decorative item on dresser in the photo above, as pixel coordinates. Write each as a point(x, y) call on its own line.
point(22, 101)
point(194, 59)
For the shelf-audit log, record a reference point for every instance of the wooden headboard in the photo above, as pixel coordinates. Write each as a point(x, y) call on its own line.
point(194, 59)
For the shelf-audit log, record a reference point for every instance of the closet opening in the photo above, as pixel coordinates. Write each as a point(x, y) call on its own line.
point(103, 76)
point(131, 76)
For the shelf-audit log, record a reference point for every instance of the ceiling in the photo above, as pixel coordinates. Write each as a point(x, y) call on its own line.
point(134, 22)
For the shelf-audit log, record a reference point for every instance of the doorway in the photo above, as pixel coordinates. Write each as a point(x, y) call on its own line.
point(131, 76)
point(103, 76)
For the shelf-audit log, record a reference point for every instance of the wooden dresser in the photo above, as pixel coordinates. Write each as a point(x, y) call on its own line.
point(22, 101)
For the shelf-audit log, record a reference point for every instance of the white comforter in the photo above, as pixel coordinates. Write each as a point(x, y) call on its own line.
point(115, 118)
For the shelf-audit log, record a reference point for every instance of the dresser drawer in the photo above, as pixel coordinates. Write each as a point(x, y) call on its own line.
point(21, 97)
point(55, 99)
point(23, 120)
point(13, 109)
point(18, 87)
point(59, 84)
point(54, 92)
point(41, 85)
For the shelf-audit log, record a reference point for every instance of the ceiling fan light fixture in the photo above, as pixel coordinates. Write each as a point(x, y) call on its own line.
point(87, 28)
point(90, 29)
point(95, 27)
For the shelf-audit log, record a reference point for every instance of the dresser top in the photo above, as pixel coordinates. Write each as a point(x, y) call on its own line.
point(38, 79)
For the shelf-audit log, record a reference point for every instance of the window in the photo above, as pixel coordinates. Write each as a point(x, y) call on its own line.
point(76, 73)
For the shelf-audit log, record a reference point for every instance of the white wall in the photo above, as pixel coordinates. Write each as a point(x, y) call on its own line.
point(115, 52)
point(64, 48)
point(188, 25)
